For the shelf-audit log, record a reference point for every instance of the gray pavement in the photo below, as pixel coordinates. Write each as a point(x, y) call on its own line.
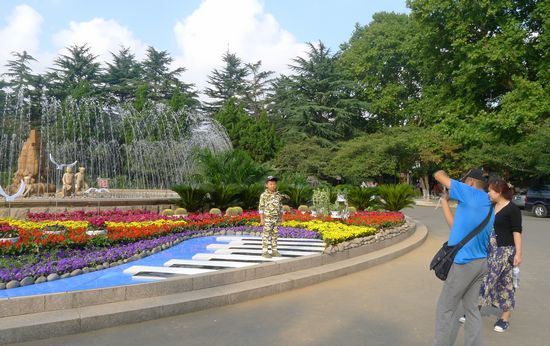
point(389, 304)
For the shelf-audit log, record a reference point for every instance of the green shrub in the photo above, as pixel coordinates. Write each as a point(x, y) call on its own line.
point(239, 210)
point(222, 196)
point(192, 198)
point(287, 208)
point(231, 211)
point(249, 195)
point(352, 210)
point(298, 194)
point(363, 198)
point(215, 211)
point(228, 168)
point(167, 212)
point(303, 208)
point(395, 197)
point(180, 211)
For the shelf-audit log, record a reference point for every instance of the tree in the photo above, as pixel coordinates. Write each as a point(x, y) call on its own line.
point(395, 150)
point(305, 157)
point(258, 138)
point(23, 82)
point(227, 83)
point(258, 90)
point(255, 136)
point(76, 74)
point(317, 100)
point(162, 82)
point(469, 52)
point(122, 76)
point(20, 76)
point(378, 56)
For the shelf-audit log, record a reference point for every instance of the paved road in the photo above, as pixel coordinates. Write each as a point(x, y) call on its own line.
point(390, 304)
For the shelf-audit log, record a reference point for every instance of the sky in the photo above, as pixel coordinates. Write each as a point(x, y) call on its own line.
point(196, 33)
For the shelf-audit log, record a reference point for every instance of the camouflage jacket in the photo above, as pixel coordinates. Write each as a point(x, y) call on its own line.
point(271, 204)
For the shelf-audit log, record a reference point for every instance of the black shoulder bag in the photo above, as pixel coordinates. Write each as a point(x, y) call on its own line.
point(443, 259)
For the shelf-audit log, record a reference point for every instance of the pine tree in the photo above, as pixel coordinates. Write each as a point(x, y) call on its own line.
point(227, 83)
point(76, 74)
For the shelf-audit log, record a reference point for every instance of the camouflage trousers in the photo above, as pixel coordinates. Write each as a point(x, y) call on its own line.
point(269, 235)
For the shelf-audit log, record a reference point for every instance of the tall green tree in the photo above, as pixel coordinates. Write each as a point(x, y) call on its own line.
point(21, 81)
point(226, 83)
point(379, 57)
point(75, 74)
point(470, 52)
point(20, 76)
point(122, 75)
point(163, 83)
point(256, 136)
point(317, 99)
point(258, 90)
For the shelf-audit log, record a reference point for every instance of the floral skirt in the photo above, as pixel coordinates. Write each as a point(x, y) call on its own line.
point(497, 288)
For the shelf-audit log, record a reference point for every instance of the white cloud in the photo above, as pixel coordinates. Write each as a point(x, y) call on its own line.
point(240, 26)
point(20, 33)
point(101, 35)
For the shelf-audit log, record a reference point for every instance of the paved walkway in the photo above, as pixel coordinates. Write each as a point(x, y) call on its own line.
point(389, 304)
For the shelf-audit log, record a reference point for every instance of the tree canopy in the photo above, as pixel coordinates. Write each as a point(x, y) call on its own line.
point(453, 84)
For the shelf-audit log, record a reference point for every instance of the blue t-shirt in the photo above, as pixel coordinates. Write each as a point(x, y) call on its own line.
point(473, 206)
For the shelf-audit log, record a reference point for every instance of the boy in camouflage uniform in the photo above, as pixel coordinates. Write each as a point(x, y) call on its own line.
point(271, 212)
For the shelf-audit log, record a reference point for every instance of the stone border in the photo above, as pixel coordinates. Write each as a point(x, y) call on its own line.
point(20, 208)
point(36, 317)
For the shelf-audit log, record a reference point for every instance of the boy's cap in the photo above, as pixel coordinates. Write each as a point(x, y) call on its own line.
point(474, 173)
point(271, 178)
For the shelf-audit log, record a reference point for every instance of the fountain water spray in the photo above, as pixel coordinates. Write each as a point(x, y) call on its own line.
point(151, 148)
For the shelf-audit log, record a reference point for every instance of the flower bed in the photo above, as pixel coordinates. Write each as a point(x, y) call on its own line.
point(60, 245)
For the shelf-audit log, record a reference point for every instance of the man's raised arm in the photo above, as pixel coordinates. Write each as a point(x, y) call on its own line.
point(443, 178)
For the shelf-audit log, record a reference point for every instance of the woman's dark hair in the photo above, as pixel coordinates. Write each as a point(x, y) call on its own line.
point(502, 187)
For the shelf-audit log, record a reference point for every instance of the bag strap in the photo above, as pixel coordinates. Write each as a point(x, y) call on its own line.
point(475, 230)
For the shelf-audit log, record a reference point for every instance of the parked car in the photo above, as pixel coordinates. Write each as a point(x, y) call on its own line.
point(537, 200)
point(519, 199)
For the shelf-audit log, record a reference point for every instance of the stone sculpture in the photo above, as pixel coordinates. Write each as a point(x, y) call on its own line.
point(68, 182)
point(80, 180)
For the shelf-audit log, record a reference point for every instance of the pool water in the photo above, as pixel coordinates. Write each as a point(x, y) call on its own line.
point(114, 276)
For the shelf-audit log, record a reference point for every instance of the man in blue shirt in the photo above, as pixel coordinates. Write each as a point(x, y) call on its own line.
point(470, 264)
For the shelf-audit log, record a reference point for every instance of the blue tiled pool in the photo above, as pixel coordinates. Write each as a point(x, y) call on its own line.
point(113, 276)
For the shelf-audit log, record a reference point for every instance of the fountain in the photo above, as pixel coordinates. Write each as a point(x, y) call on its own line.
point(135, 150)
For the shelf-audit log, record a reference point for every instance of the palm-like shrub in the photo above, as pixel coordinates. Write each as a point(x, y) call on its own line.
point(232, 167)
point(249, 195)
point(222, 196)
point(363, 197)
point(192, 198)
point(297, 193)
point(396, 197)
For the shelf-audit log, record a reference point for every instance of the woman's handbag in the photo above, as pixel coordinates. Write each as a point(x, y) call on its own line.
point(443, 259)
